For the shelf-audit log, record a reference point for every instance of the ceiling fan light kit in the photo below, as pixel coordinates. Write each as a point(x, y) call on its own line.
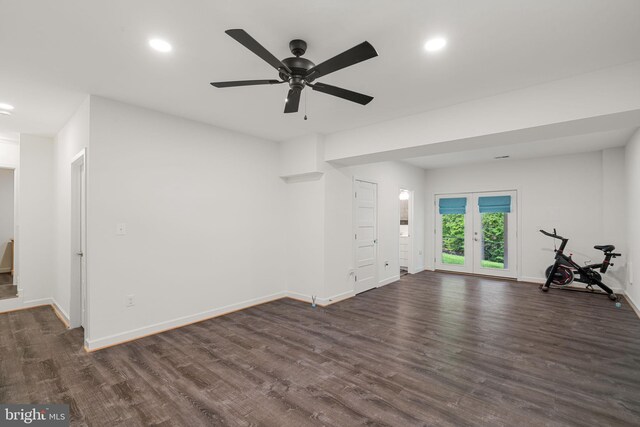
point(300, 72)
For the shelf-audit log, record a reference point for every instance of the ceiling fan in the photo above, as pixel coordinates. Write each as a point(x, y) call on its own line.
point(300, 72)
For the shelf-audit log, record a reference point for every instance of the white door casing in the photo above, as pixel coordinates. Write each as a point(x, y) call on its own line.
point(467, 267)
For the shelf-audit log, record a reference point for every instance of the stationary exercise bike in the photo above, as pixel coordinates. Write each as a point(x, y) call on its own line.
point(565, 270)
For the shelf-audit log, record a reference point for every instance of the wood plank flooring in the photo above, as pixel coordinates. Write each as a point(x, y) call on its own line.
point(431, 349)
point(7, 289)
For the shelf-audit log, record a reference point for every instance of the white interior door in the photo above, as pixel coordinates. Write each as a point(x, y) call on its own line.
point(83, 240)
point(78, 312)
point(477, 233)
point(366, 235)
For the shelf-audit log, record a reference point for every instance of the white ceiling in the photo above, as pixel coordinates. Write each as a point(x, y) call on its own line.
point(53, 53)
point(550, 147)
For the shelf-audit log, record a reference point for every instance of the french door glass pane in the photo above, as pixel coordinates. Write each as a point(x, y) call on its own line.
point(493, 250)
point(453, 239)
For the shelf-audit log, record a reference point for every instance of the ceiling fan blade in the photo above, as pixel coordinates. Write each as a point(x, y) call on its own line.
point(342, 93)
point(356, 54)
point(242, 37)
point(292, 102)
point(245, 83)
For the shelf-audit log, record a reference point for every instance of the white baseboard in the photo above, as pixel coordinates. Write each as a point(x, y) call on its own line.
point(542, 280)
point(13, 304)
point(323, 302)
point(538, 280)
point(300, 297)
point(111, 340)
point(62, 315)
point(336, 298)
point(389, 280)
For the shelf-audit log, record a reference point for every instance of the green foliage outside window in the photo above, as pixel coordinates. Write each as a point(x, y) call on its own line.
point(453, 234)
point(493, 239)
point(493, 235)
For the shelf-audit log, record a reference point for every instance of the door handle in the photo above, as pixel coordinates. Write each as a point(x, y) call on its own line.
point(375, 241)
point(79, 254)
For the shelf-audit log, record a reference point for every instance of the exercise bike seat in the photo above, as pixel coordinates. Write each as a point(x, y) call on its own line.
point(605, 248)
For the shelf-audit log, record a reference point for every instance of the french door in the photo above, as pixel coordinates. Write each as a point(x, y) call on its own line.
point(476, 233)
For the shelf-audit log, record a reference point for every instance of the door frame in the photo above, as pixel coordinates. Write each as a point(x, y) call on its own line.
point(354, 228)
point(16, 229)
point(79, 289)
point(437, 233)
point(469, 194)
point(511, 273)
point(411, 257)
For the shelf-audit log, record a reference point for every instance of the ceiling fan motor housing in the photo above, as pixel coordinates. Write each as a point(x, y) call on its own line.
point(299, 68)
point(298, 47)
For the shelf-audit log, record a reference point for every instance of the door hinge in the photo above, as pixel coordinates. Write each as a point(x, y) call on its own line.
point(355, 194)
point(356, 278)
point(355, 236)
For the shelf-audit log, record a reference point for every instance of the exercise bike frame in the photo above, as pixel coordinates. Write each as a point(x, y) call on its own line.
point(586, 274)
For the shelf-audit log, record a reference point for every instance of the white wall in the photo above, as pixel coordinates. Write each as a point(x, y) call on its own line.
point(36, 242)
point(390, 177)
point(614, 212)
point(6, 219)
point(9, 154)
point(204, 210)
point(305, 228)
point(565, 192)
point(632, 158)
point(68, 143)
point(594, 102)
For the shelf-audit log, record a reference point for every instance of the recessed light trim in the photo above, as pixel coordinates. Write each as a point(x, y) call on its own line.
point(5, 113)
point(6, 107)
point(435, 44)
point(160, 45)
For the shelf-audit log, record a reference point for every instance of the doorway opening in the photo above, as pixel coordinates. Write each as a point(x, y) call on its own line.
point(79, 294)
point(8, 288)
point(476, 233)
point(406, 225)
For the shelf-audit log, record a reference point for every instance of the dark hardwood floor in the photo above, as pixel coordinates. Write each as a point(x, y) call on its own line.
point(7, 289)
point(431, 349)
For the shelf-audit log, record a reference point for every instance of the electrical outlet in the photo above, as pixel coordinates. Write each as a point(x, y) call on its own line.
point(121, 229)
point(130, 300)
point(386, 264)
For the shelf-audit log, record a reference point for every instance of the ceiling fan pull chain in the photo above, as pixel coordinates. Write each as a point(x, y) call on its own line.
point(305, 105)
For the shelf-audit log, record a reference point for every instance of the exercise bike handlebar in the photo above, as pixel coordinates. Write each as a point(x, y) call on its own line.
point(554, 235)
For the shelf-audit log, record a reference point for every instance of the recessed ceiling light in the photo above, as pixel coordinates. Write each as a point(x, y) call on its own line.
point(5, 113)
point(4, 106)
point(435, 44)
point(501, 157)
point(160, 45)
